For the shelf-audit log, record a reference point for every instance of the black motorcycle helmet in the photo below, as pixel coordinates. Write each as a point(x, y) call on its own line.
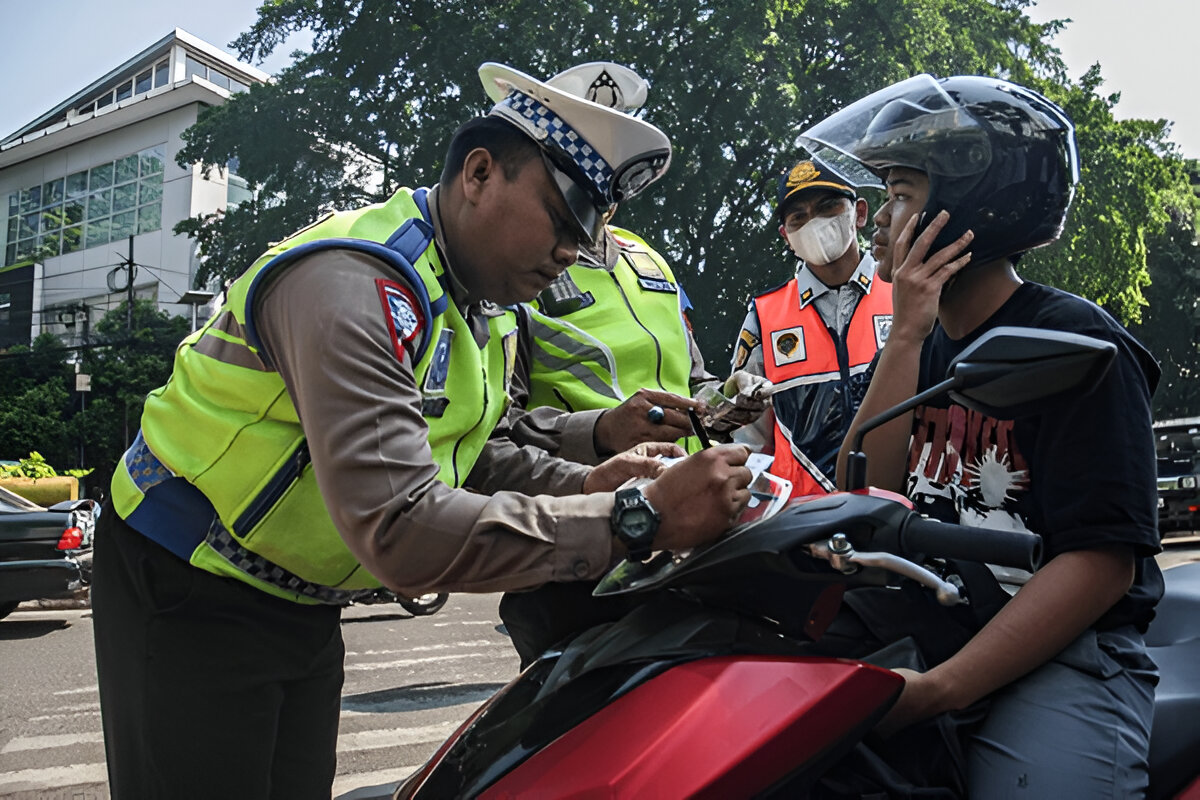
point(1001, 158)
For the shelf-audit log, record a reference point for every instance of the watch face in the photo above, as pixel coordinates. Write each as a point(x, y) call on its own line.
point(637, 522)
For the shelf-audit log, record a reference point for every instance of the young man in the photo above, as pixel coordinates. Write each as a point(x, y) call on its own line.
point(311, 440)
point(979, 171)
point(815, 336)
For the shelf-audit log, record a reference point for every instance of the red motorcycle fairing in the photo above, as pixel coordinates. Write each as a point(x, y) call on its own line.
point(717, 727)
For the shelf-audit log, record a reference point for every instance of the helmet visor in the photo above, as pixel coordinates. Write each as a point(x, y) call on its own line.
point(913, 124)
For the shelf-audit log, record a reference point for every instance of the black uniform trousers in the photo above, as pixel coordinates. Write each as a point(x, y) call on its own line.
point(209, 688)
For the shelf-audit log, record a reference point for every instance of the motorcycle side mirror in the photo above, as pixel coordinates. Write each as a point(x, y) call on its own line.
point(1008, 373)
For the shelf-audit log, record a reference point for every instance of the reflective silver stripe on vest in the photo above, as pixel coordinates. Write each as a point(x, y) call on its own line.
point(144, 467)
point(580, 355)
point(254, 565)
point(237, 354)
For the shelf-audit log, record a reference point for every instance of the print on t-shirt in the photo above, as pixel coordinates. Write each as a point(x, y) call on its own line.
point(969, 462)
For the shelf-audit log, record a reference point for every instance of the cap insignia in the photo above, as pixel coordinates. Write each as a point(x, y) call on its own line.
point(804, 172)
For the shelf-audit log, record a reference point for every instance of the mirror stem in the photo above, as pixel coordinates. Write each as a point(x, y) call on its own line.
point(856, 461)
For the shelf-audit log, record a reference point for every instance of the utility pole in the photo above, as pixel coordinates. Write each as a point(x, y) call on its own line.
point(129, 290)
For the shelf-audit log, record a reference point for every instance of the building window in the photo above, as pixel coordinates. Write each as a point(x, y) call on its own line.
point(150, 78)
point(106, 203)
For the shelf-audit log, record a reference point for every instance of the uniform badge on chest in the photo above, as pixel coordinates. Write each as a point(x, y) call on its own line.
point(883, 326)
point(787, 346)
point(434, 400)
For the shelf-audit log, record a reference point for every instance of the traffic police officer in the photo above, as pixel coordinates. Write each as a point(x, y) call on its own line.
point(309, 443)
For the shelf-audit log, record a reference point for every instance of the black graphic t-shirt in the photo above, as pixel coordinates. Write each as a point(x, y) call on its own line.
point(1081, 472)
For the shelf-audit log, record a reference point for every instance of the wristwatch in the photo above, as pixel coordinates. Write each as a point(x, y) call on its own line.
point(634, 523)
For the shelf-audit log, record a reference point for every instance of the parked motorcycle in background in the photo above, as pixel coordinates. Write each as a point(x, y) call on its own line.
point(421, 606)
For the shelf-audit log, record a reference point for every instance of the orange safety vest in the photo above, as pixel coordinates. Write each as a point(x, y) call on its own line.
point(825, 380)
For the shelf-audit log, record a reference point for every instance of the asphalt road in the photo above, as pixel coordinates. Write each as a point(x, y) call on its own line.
point(409, 683)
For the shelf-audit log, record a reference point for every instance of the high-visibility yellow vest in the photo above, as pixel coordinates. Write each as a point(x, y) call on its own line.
point(221, 441)
point(610, 333)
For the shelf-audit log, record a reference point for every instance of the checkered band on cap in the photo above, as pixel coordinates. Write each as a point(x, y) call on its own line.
point(565, 138)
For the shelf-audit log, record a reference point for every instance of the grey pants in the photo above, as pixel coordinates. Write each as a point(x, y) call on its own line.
point(1076, 727)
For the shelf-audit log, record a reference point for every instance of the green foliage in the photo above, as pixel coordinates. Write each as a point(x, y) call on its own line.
point(35, 403)
point(35, 467)
point(1130, 181)
point(1170, 325)
point(40, 411)
point(122, 375)
point(732, 83)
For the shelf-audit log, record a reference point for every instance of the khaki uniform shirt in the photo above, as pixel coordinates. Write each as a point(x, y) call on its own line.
point(324, 328)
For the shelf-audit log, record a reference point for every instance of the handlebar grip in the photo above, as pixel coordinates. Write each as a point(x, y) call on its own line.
point(1019, 549)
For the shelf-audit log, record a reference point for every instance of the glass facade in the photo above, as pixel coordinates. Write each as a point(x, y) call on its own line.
point(141, 83)
point(93, 207)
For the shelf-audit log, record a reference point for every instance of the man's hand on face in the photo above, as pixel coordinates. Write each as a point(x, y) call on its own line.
point(642, 461)
point(918, 277)
point(647, 416)
point(699, 498)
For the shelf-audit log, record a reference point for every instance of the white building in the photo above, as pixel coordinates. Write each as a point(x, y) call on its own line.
point(99, 168)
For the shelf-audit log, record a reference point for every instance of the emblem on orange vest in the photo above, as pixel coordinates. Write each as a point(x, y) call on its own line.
point(788, 346)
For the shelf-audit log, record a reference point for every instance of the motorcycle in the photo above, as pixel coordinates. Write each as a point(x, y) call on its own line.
point(714, 685)
point(421, 606)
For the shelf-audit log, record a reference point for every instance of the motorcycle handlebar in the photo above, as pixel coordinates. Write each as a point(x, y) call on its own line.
point(1018, 549)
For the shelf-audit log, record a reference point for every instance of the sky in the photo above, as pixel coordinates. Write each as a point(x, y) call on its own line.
point(1146, 49)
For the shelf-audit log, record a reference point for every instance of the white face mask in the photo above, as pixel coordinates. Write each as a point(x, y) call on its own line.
point(824, 240)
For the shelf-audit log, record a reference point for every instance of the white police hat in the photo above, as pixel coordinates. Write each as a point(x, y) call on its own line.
point(604, 82)
point(597, 155)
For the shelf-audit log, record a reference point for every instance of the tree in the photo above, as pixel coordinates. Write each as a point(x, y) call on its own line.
point(122, 374)
point(35, 403)
point(1131, 182)
point(1170, 326)
point(732, 83)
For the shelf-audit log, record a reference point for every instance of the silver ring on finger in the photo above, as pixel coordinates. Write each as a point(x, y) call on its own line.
point(656, 414)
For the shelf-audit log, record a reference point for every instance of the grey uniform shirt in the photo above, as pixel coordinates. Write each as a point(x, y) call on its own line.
point(325, 330)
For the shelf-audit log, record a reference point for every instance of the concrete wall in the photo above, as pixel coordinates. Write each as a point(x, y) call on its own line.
point(169, 258)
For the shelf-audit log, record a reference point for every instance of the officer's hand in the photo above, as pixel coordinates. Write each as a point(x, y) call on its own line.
point(638, 462)
point(633, 422)
point(699, 498)
point(749, 396)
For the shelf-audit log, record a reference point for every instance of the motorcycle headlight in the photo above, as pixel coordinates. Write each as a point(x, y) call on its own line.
point(1188, 482)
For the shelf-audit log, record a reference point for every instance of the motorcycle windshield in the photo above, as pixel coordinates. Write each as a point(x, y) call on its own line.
point(753, 552)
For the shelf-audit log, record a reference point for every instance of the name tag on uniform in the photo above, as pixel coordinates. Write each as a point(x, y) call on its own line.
point(656, 286)
point(650, 275)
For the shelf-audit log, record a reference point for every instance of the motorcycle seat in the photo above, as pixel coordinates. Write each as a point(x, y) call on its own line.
point(1173, 641)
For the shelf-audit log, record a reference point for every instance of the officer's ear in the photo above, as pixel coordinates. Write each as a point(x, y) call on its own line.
point(783, 233)
point(479, 167)
point(861, 212)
